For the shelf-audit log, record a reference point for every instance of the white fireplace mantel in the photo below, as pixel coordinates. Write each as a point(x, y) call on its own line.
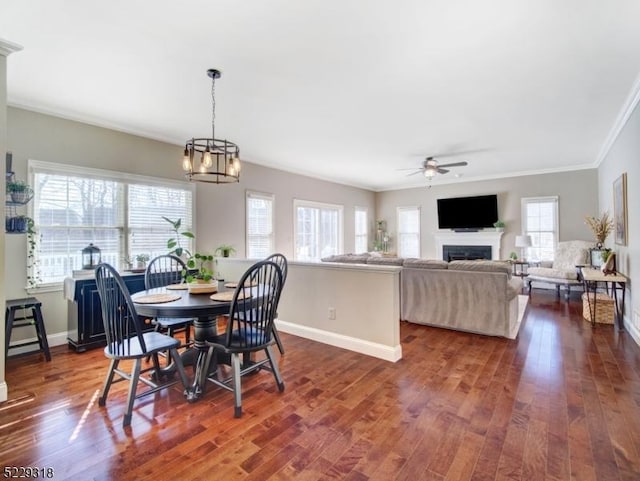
point(479, 238)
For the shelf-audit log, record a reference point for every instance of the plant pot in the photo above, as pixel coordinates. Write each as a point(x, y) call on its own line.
point(21, 197)
point(16, 224)
point(200, 286)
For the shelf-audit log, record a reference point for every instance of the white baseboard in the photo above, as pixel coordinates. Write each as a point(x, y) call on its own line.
point(57, 339)
point(523, 301)
point(4, 391)
point(633, 332)
point(388, 353)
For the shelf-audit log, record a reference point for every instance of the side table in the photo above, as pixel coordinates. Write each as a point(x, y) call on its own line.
point(616, 282)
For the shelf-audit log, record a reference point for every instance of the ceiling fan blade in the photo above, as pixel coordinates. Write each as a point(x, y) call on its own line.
point(414, 173)
point(455, 164)
point(410, 168)
point(442, 171)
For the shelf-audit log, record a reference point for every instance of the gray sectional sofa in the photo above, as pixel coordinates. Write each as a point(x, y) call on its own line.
point(475, 296)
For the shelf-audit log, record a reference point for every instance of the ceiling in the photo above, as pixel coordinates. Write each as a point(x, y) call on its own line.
point(344, 90)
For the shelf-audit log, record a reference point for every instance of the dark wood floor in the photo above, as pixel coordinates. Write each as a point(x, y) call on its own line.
point(561, 402)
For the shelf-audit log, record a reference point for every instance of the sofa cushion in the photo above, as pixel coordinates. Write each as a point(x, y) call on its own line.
point(481, 265)
point(552, 273)
point(385, 261)
point(425, 263)
point(347, 258)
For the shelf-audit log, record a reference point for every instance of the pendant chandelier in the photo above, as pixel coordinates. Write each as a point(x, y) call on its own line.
point(210, 159)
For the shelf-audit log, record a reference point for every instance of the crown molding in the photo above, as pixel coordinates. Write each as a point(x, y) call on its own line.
point(7, 48)
point(627, 109)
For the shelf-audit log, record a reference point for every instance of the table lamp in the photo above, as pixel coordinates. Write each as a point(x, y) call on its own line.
point(523, 241)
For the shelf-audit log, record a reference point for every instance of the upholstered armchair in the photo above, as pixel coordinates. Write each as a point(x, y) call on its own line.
point(563, 271)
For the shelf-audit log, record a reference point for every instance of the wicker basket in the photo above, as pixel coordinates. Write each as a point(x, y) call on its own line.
point(605, 310)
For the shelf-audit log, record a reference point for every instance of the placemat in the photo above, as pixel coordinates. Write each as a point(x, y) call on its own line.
point(227, 296)
point(157, 298)
point(177, 287)
point(233, 285)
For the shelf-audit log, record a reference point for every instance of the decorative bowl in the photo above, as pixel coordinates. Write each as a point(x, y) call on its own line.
point(203, 287)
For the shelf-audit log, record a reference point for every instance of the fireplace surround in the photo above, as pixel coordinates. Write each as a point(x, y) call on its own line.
point(483, 238)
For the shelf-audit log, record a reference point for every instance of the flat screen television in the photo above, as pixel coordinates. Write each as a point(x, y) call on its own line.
point(468, 213)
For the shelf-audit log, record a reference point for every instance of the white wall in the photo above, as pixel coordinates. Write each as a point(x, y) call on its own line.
point(576, 200)
point(220, 208)
point(3, 149)
point(365, 300)
point(624, 157)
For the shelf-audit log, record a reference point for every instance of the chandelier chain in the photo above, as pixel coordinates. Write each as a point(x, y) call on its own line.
point(213, 108)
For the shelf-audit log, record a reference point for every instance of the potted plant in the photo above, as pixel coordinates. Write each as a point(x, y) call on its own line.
point(20, 191)
point(513, 256)
point(173, 243)
point(203, 263)
point(141, 261)
point(499, 225)
point(18, 224)
point(225, 250)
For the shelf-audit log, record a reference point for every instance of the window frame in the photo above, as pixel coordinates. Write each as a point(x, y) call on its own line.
point(399, 234)
point(357, 209)
point(124, 179)
point(272, 237)
point(551, 199)
point(317, 205)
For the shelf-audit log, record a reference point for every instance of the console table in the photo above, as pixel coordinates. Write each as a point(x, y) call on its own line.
point(616, 282)
point(84, 315)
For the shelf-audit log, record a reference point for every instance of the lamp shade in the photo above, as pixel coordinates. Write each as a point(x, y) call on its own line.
point(523, 241)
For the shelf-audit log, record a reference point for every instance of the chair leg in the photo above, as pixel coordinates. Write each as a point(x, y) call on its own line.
point(276, 337)
point(274, 368)
point(133, 386)
point(237, 388)
point(207, 363)
point(187, 334)
point(113, 365)
point(181, 372)
point(8, 319)
point(41, 332)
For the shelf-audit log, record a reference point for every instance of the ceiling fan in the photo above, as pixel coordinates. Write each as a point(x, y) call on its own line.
point(431, 167)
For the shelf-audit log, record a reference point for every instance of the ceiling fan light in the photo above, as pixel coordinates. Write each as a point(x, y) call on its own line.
point(429, 173)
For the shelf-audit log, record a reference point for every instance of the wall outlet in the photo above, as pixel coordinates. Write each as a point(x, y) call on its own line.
point(332, 313)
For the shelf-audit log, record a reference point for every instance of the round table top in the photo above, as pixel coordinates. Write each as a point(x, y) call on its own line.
point(188, 305)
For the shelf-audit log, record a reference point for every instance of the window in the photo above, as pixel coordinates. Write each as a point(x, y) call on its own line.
point(408, 231)
point(119, 213)
point(540, 221)
point(259, 217)
point(317, 230)
point(361, 230)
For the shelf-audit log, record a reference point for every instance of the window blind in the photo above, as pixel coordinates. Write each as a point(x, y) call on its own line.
point(408, 231)
point(259, 219)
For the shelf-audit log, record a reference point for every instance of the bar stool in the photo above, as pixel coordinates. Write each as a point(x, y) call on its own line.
point(33, 319)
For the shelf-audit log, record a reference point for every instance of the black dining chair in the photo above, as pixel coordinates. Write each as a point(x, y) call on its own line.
point(281, 262)
point(249, 330)
point(126, 341)
point(162, 271)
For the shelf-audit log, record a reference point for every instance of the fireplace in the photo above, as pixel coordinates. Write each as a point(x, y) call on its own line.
point(458, 253)
point(485, 238)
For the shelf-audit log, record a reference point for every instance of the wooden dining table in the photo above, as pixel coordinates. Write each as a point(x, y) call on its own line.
point(204, 311)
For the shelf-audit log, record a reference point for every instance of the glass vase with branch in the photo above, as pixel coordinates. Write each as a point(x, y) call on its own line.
point(601, 227)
